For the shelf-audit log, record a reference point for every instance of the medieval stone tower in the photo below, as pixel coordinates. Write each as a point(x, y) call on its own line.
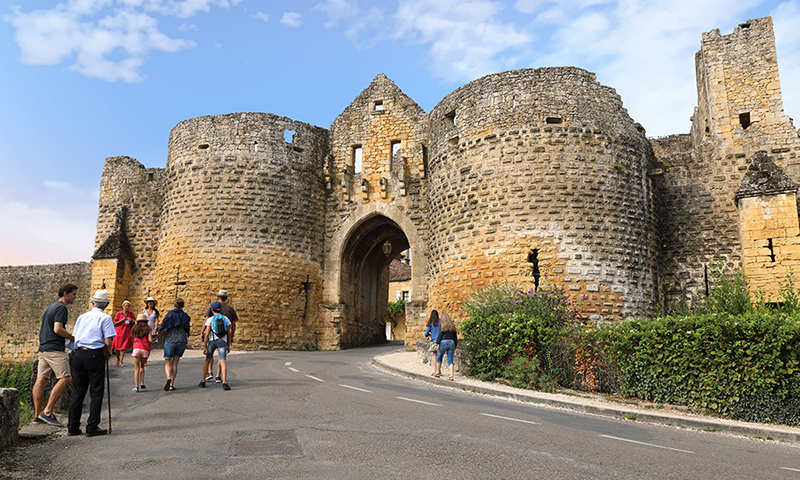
point(527, 177)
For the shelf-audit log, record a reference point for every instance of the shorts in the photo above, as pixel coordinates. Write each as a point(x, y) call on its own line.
point(173, 350)
point(220, 345)
point(141, 353)
point(53, 362)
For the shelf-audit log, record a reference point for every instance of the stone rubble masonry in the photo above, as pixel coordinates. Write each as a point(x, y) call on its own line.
point(27, 291)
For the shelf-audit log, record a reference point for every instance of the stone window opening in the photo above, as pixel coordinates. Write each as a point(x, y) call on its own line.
point(744, 120)
point(450, 118)
point(356, 158)
point(395, 147)
point(288, 135)
point(533, 259)
point(149, 177)
point(378, 106)
point(255, 147)
point(744, 26)
point(553, 120)
point(771, 249)
point(202, 146)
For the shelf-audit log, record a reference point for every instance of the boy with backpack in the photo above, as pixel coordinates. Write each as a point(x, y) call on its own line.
point(215, 337)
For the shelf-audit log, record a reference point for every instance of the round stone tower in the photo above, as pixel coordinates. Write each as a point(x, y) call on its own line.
point(540, 176)
point(244, 211)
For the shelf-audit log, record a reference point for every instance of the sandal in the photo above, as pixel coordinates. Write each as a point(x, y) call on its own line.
point(437, 375)
point(167, 385)
point(450, 378)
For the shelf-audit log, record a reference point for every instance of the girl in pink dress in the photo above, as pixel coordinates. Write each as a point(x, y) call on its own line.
point(123, 322)
point(142, 337)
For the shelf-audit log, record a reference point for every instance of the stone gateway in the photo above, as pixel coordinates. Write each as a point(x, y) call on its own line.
point(521, 176)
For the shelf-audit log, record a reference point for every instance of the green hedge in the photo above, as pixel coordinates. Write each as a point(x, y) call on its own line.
point(727, 357)
point(745, 366)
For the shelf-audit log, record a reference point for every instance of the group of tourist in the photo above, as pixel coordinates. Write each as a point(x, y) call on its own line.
point(96, 336)
point(444, 338)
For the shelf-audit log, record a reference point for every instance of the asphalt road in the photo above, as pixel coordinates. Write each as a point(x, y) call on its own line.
point(333, 415)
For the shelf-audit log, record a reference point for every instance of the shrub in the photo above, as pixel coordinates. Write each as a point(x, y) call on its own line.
point(504, 323)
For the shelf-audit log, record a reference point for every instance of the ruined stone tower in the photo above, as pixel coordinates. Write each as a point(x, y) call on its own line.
point(702, 213)
point(527, 177)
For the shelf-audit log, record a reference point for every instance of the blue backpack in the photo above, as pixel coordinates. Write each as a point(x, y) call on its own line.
point(218, 326)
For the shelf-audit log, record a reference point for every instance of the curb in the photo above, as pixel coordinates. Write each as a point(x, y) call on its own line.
point(696, 422)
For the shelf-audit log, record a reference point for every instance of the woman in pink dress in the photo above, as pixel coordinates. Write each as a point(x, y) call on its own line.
point(123, 322)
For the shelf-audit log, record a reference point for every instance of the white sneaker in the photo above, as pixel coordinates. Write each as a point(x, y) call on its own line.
point(218, 380)
point(209, 377)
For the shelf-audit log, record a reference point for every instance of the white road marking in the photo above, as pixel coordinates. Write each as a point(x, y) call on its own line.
point(288, 363)
point(355, 388)
point(792, 469)
point(294, 370)
point(509, 418)
point(419, 401)
point(315, 378)
point(648, 444)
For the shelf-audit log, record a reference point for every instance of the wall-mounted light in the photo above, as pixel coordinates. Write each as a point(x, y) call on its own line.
point(387, 248)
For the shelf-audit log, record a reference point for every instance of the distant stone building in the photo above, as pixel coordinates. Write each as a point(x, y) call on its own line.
point(525, 176)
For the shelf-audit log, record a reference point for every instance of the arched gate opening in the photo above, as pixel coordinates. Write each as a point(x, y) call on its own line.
point(364, 280)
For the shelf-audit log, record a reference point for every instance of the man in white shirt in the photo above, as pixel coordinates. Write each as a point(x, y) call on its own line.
point(93, 332)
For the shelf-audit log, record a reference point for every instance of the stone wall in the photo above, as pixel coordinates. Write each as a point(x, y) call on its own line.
point(695, 188)
point(126, 183)
point(27, 292)
point(541, 167)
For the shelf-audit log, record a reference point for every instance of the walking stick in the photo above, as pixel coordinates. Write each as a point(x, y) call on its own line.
point(108, 387)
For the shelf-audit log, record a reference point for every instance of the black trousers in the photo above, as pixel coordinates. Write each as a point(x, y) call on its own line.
point(89, 368)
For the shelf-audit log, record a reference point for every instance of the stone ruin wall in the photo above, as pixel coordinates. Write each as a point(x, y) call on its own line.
point(27, 291)
point(127, 183)
point(244, 211)
point(378, 117)
point(698, 174)
point(544, 159)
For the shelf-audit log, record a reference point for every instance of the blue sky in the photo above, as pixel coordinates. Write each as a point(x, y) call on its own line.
point(82, 80)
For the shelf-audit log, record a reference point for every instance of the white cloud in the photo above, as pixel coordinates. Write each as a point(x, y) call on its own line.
point(187, 27)
point(643, 49)
point(261, 16)
point(44, 235)
point(292, 19)
point(105, 39)
point(337, 11)
point(467, 38)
